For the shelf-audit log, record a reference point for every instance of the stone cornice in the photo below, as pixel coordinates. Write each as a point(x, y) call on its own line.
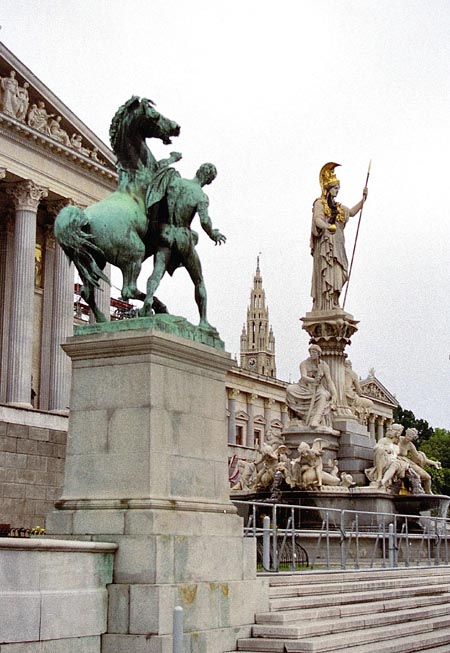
point(22, 133)
point(142, 344)
point(151, 503)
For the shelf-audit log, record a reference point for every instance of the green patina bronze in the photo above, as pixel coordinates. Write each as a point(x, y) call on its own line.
point(149, 214)
point(172, 324)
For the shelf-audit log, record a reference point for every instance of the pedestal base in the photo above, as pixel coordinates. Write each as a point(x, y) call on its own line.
point(147, 468)
point(294, 436)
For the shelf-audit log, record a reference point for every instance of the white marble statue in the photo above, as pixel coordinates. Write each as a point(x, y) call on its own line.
point(77, 144)
point(330, 265)
point(57, 132)
point(396, 457)
point(38, 118)
point(22, 102)
point(416, 459)
point(308, 472)
point(314, 396)
point(359, 405)
point(9, 86)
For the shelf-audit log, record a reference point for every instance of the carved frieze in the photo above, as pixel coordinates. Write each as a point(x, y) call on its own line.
point(15, 103)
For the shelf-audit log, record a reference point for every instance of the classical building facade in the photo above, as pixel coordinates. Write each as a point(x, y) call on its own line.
point(48, 159)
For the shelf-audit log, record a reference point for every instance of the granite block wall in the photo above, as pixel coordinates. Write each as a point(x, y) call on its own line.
point(31, 473)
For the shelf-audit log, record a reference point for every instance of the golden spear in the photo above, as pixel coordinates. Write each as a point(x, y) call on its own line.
point(356, 237)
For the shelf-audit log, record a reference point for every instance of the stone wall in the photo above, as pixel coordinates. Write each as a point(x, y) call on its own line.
point(32, 455)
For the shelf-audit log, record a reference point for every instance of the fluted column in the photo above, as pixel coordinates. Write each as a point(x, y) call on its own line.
point(47, 316)
point(284, 415)
point(61, 321)
point(6, 284)
point(268, 403)
point(372, 426)
point(251, 424)
point(232, 394)
point(26, 197)
point(380, 428)
point(62, 328)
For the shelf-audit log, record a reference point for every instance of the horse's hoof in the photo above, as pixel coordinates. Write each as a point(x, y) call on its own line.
point(145, 312)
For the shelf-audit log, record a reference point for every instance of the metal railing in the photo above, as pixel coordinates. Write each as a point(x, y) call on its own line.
point(294, 538)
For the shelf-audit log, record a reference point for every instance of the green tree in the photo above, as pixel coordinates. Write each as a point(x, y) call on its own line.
point(437, 447)
point(407, 419)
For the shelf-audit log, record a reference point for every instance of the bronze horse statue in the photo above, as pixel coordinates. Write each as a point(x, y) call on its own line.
point(116, 230)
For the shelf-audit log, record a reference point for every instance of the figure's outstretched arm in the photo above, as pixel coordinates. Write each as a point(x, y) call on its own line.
point(360, 204)
point(205, 221)
point(173, 158)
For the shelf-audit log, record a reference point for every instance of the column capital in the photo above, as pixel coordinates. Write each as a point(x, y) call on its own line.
point(26, 195)
point(2, 173)
point(251, 398)
point(233, 393)
point(268, 403)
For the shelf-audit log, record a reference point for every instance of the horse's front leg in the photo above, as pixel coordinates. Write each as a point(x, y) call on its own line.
point(130, 274)
point(161, 262)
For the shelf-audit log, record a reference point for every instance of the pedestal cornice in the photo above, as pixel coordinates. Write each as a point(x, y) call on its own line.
point(114, 340)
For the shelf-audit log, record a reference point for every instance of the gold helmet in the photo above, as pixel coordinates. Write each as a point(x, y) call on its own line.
point(327, 177)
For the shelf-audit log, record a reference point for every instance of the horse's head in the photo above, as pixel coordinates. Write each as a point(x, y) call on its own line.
point(155, 125)
point(135, 121)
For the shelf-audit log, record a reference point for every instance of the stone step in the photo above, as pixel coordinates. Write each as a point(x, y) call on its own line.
point(339, 576)
point(306, 628)
point(295, 603)
point(421, 633)
point(349, 609)
point(284, 591)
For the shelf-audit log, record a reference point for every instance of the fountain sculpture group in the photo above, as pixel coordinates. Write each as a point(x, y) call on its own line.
point(328, 426)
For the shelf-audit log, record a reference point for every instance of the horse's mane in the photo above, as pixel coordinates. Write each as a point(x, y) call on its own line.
point(117, 123)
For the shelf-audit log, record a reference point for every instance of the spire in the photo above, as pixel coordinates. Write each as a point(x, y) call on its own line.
point(258, 347)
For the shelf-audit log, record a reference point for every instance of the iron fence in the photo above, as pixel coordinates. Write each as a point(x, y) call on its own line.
point(293, 538)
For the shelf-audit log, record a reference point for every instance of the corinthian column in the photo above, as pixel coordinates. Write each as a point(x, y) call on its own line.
point(26, 197)
point(232, 394)
point(61, 327)
point(6, 284)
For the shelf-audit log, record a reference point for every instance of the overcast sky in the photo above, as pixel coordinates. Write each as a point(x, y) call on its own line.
point(269, 92)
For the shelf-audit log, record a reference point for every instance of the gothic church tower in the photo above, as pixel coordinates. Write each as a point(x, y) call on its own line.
point(257, 339)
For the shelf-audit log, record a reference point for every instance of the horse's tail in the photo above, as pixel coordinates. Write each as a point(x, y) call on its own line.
point(72, 233)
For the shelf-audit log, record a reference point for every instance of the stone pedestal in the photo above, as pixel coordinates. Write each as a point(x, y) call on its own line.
point(294, 435)
point(356, 450)
point(332, 331)
point(146, 468)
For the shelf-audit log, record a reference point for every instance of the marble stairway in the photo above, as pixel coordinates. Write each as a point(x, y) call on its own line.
point(372, 611)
